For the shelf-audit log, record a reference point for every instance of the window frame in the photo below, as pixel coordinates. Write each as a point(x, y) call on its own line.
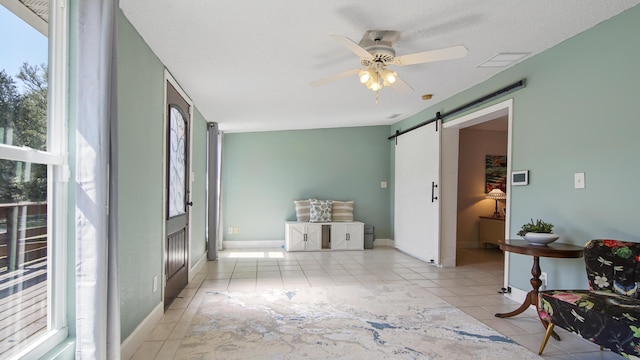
point(56, 159)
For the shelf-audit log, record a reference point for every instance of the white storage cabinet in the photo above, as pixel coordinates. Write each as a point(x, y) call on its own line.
point(347, 236)
point(302, 236)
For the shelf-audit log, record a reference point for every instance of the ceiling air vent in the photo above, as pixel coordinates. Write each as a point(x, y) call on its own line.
point(503, 60)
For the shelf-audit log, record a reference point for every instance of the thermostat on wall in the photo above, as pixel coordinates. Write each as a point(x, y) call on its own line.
point(520, 177)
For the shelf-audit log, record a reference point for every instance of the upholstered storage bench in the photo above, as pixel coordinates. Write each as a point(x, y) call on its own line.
point(609, 313)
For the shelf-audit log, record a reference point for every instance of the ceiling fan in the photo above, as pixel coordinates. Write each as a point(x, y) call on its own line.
point(376, 54)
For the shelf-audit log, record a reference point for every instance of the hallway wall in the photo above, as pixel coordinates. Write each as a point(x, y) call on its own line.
point(141, 142)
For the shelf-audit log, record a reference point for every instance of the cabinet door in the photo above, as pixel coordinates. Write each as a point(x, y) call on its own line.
point(314, 237)
point(355, 236)
point(338, 236)
point(295, 237)
point(347, 236)
point(491, 231)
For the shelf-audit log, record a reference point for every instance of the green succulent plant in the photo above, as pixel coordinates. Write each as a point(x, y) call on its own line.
point(538, 226)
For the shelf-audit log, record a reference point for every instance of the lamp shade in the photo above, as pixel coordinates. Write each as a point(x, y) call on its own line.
point(496, 194)
point(389, 76)
point(364, 75)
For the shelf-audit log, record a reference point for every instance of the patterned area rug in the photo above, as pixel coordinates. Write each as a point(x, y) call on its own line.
point(340, 322)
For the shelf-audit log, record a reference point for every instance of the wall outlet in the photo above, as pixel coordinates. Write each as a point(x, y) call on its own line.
point(230, 231)
point(155, 283)
point(543, 278)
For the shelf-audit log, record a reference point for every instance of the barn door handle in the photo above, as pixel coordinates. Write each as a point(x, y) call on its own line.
point(433, 191)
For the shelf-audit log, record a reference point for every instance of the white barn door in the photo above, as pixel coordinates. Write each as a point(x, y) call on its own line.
point(417, 181)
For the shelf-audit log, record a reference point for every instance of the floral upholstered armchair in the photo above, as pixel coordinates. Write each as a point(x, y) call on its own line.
point(609, 313)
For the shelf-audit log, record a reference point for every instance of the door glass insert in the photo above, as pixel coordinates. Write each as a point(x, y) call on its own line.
point(177, 161)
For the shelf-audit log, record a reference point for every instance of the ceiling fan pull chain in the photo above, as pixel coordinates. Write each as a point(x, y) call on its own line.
point(377, 97)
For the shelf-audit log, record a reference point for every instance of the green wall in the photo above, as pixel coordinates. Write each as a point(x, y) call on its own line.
point(141, 177)
point(198, 188)
point(264, 172)
point(578, 113)
point(140, 142)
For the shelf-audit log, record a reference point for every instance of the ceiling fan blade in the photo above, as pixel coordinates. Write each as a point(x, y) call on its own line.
point(453, 52)
point(401, 86)
point(334, 77)
point(353, 46)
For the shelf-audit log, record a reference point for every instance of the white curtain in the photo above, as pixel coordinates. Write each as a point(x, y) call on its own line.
point(214, 215)
point(219, 220)
point(97, 296)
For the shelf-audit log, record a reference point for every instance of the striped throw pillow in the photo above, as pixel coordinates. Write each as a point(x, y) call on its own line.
point(302, 209)
point(342, 211)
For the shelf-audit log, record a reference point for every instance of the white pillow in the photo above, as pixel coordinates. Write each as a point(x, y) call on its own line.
point(342, 211)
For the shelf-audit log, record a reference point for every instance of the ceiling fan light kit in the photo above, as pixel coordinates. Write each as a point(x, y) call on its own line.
point(375, 78)
point(376, 52)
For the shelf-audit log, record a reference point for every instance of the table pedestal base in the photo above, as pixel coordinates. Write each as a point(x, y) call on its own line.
point(532, 296)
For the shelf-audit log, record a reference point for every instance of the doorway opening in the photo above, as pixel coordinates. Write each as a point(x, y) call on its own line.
point(470, 139)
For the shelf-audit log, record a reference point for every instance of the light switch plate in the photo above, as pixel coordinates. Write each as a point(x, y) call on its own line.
point(383, 184)
point(578, 181)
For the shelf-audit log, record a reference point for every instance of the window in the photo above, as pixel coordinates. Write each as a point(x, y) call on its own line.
point(33, 177)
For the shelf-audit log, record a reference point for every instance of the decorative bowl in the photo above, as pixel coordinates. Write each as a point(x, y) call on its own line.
point(540, 238)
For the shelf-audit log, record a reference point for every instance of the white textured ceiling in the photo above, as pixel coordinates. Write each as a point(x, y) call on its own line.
point(247, 63)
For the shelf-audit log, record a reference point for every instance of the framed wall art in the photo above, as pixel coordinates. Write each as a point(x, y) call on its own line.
point(495, 173)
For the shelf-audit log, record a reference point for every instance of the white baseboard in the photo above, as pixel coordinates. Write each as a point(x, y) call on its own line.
point(198, 266)
point(253, 244)
point(384, 242)
point(517, 295)
point(139, 335)
point(273, 244)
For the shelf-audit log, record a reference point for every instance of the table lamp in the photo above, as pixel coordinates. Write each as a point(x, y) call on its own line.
point(496, 194)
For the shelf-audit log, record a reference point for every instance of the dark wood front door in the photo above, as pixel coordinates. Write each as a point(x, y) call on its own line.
point(177, 207)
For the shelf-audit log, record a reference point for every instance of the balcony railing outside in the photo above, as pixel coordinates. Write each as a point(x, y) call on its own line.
point(23, 272)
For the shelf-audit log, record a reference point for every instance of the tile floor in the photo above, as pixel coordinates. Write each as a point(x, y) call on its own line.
point(472, 286)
